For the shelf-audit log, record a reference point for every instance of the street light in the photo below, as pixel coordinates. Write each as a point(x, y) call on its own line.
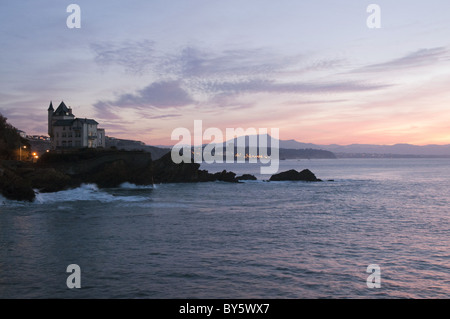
point(20, 151)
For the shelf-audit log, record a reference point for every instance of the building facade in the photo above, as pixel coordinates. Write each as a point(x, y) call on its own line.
point(67, 131)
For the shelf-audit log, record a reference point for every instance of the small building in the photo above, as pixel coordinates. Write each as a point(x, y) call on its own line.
point(22, 133)
point(67, 131)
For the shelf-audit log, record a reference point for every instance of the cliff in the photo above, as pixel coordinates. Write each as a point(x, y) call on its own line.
point(106, 168)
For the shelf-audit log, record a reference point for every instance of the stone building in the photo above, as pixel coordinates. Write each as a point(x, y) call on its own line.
point(67, 131)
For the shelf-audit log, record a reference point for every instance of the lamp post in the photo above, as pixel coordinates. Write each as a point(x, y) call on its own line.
point(20, 151)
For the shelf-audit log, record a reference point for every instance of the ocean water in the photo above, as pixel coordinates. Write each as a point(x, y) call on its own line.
point(255, 239)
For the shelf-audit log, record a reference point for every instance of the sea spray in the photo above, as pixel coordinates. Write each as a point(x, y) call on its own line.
point(86, 192)
point(127, 185)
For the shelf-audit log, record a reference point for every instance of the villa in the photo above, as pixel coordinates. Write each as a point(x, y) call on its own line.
point(66, 131)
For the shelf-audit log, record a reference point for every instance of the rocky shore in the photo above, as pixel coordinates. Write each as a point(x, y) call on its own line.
point(110, 168)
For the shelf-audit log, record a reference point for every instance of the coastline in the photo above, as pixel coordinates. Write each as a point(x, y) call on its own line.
point(55, 172)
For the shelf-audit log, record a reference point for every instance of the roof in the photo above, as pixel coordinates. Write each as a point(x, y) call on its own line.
point(50, 108)
point(71, 122)
point(62, 110)
point(87, 121)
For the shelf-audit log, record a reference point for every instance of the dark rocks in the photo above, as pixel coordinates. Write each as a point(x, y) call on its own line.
point(225, 176)
point(15, 187)
point(246, 177)
point(55, 172)
point(293, 175)
point(131, 170)
point(166, 171)
point(48, 180)
point(60, 171)
point(104, 168)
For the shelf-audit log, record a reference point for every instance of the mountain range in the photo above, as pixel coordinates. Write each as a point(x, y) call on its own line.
point(364, 150)
point(354, 149)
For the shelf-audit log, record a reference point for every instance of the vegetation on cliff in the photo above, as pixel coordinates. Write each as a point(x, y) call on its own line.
point(10, 141)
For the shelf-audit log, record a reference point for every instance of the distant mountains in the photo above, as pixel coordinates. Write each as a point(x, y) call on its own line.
point(370, 150)
point(295, 149)
point(285, 152)
point(160, 150)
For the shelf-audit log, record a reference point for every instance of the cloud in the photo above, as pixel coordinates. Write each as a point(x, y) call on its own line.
point(216, 79)
point(306, 102)
point(158, 94)
point(105, 111)
point(271, 86)
point(135, 57)
point(192, 62)
point(422, 57)
point(160, 117)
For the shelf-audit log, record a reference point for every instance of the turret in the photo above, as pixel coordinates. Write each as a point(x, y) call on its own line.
point(50, 118)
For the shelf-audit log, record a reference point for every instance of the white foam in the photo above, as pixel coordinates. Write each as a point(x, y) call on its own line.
point(86, 192)
point(3, 200)
point(9, 202)
point(127, 185)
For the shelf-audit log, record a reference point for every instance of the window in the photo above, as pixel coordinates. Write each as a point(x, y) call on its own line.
point(63, 135)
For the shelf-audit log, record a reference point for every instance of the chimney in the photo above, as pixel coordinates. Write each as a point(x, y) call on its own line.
point(70, 111)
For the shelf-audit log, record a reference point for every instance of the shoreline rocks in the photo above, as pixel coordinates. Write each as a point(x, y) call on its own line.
point(246, 177)
point(292, 175)
point(110, 168)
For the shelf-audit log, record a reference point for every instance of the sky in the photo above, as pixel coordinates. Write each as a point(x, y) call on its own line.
point(312, 69)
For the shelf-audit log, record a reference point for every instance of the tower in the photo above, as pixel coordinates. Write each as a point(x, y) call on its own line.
point(50, 118)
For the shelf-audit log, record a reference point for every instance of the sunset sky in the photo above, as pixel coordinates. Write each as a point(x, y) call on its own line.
point(313, 69)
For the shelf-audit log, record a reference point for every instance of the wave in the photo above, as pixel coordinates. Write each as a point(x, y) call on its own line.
point(3, 201)
point(86, 192)
point(127, 185)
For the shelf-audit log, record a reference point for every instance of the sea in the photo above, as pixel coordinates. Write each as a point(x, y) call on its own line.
point(374, 228)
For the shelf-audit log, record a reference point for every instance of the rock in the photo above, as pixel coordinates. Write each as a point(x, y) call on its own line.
point(50, 180)
point(225, 176)
point(293, 175)
point(14, 187)
point(104, 168)
point(246, 177)
point(166, 171)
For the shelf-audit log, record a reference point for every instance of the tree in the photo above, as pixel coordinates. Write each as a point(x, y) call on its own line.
point(10, 140)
